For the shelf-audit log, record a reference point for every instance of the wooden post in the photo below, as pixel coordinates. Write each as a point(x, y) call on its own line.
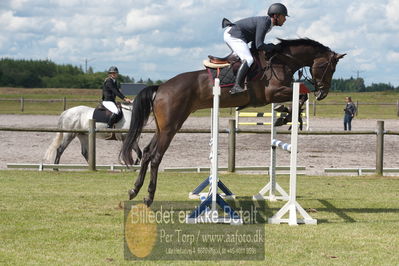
point(357, 108)
point(92, 145)
point(379, 164)
point(232, 146)
point(22, 104)
point(314, 108)
point(64, 101)
point(397, 107)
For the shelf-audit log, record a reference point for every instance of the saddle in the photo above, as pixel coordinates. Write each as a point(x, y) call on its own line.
point(225, 68)
point(102, 114)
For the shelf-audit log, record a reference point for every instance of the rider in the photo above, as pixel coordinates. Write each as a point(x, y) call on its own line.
point(110, 91)
point(253, 29)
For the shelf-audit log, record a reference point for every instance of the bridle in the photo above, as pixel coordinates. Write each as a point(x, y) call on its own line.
point(314, 83)
point(302, 70)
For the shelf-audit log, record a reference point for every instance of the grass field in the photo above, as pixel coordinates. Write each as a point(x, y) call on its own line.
point(74, 218)
point(322, 110)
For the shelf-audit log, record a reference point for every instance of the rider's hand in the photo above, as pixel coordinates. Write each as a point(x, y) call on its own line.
point(272, 48)
point(128, 100)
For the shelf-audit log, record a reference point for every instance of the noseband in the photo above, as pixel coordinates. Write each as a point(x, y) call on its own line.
point(311, 80)
point(324, 72)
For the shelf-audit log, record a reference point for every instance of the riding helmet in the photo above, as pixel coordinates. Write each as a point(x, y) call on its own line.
point(277, 8)
point(113, 69)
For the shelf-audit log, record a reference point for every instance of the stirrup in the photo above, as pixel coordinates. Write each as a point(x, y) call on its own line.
point(236, 89)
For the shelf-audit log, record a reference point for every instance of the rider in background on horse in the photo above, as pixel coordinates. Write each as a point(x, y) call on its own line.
point(237, 35)
point(110, 91)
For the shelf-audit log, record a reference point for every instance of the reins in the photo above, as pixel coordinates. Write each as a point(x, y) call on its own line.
point(301, 70)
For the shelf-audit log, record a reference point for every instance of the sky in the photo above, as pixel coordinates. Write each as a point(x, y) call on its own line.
point(159, 39)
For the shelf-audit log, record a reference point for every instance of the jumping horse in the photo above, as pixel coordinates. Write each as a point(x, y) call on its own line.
point(173, 101)
point(78, 118)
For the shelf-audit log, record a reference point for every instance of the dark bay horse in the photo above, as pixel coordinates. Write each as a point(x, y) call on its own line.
point(173, 101)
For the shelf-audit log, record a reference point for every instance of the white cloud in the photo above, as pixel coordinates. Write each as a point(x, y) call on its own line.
point(391, 11)
point(393, 56)
point(149, 67)
point(141, 20)
point(16, 4)
point(359, 11)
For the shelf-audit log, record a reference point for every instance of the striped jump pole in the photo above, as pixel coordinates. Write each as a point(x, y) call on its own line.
point(292, 207)
point(207, 211)
point(282, 145)
point(238, 114)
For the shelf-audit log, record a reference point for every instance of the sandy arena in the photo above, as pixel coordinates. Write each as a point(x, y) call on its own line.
point(192, 150)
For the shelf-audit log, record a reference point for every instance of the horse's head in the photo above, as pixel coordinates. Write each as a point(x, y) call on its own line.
point(322, 71)
point(321, 60)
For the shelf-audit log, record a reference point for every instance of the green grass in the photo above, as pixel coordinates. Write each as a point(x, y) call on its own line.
point(73, 218)
point(322, 110)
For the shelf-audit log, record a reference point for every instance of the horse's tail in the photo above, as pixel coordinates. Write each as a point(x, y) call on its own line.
point(142, 107)
point(53, 146)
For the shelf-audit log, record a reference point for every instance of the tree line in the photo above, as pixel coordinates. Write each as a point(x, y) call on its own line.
point(47, 74)
point(357, 85)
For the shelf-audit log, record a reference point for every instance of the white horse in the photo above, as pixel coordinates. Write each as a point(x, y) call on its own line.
point(78, 118)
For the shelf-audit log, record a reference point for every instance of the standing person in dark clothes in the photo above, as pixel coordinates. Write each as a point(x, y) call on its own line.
point(110, 91)
point(237, 35)
point(350, 110)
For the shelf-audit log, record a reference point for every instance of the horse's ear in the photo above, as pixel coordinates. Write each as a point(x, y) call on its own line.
point(339, 56)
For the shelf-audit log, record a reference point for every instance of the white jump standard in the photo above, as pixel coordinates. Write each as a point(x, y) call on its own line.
point(292, 207)
point(273, 187)
point(207, 211)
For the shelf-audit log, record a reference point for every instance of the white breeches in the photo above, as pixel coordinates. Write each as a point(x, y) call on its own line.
point(111, 106)
point(238, 46)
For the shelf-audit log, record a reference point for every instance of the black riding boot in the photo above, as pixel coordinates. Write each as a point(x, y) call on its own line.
point(241, 74)
point(110, 124)
point(112, 120)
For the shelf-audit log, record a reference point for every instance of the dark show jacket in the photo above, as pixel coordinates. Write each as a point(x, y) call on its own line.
point(252, 29)
point(110, 90)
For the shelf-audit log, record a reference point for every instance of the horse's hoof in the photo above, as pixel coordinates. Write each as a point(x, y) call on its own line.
point(148, 201)
point(280, 122)
point(132, 194)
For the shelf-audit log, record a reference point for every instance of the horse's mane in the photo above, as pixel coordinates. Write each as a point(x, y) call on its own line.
point(303, 41)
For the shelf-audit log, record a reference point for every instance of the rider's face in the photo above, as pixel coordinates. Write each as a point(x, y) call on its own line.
point(280, 19)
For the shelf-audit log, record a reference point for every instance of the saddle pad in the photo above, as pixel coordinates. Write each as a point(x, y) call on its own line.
point(226, 76)
point(101, 115)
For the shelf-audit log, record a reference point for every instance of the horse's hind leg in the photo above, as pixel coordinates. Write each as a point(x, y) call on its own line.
point(143, 169)
point(164, 139)
point(139, 154)
point(84, 144)
point(68, 137)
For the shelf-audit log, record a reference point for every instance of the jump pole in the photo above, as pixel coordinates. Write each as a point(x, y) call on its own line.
point(272, 187)
point(207, 211)
point(292, 206)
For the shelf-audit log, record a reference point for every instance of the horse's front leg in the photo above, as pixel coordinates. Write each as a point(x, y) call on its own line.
point(283, 94)
point(278, 95)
